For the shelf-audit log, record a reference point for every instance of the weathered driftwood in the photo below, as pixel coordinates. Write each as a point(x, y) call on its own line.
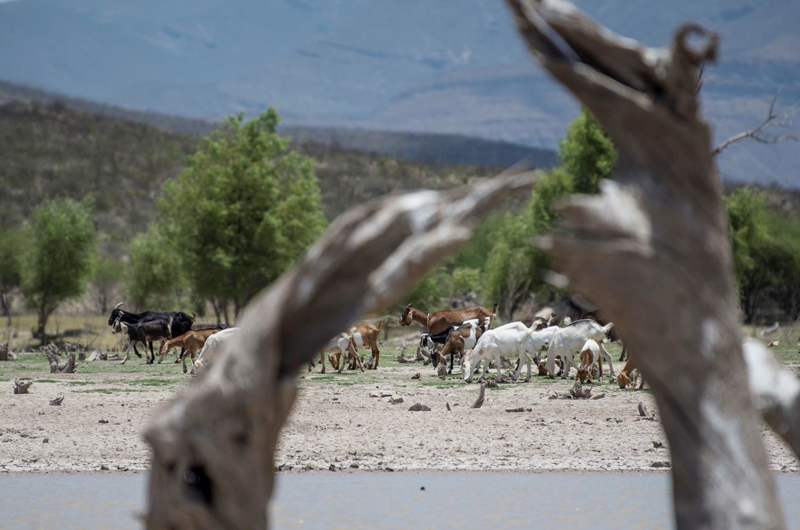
point(6, 354)
point(213, 447)
point(57, 366)
point(776, 391)
point(481, 397)
point(576, 392)
point(657, 241)
point(97, 355)
point(21, 387)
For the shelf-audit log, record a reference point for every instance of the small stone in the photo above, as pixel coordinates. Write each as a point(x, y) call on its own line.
point(103, 421)
point(658, 444)
point(354, 465)
point(417, 407)
point(46, 441)
point(415, 376)
point(389, 469)
point(374, 394)
point(660, 464)
point(386, 394)
point(396, 399)
point(103, 467)
point(332, 467)
point(598, 396)
point(422, 488)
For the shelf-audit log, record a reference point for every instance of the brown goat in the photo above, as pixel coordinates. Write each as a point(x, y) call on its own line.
point(543, 366)
point(365, 337)
point(192, 341)
point(624, 378)
point(442, 320)
point(458, 342)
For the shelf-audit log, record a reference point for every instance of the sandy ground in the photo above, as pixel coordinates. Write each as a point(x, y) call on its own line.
point(336, 423)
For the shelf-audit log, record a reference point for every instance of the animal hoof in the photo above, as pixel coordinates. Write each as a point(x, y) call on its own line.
point(184, 370)
point(176, 361)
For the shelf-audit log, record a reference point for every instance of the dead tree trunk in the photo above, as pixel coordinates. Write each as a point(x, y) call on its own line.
point(21, 387)
point(661, 260)
point(6, 354)
point(52, 353)
point(213, 447)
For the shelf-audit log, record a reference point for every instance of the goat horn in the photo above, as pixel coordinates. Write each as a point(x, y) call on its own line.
point(118, 305)
point(408, 306)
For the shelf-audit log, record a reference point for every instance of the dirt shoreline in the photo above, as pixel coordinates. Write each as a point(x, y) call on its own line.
point(336, 423)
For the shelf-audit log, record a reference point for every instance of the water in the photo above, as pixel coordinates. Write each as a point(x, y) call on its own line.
point(380, 501)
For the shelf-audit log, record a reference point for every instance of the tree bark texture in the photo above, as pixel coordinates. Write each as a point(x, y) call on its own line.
point(53, 355)
point(652, 249)
point(213, 447)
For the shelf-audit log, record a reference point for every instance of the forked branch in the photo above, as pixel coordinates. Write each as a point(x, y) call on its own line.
point(661, 266)
point(213, 447)
point(759, 133)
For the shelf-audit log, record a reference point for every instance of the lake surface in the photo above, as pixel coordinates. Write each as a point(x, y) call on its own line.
point(380, 501)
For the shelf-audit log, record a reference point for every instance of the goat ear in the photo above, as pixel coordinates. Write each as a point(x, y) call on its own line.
point(408, 306)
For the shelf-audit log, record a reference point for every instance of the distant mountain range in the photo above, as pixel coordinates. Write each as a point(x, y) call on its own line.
point(438, 66)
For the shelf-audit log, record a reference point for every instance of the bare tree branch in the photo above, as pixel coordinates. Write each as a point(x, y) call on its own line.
point(660, 260)
point(776, 390)
point(758, 133)
point(213, 447)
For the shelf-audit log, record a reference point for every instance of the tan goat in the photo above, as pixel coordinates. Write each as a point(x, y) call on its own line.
point(629, 370)
point(365, 337)
point(192, 342)
point(442, 320)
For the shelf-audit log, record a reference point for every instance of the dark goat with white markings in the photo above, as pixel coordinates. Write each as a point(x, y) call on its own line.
point(149, 331)
point(179, 323)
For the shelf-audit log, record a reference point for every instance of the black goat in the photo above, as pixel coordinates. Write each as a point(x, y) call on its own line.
point(179, 323)
point(148, 331)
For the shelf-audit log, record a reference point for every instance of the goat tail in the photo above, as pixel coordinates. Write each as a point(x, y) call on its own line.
point(380, 324)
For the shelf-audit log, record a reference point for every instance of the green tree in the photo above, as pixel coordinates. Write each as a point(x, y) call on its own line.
point(515, 267)
point(746, 215)
point(244, 208)
point(586, 153)
point(11, 251)
point(59, 259)
point(107, 276)
point(153, 277)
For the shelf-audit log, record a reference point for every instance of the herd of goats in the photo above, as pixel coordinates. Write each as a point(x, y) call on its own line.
point(464, 334)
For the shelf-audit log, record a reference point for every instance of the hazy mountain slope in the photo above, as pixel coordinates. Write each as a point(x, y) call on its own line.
point(444, 66)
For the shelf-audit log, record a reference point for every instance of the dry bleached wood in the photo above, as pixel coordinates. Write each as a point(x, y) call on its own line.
point(213, 447)
point(21, 387)
point(52, 353)
point(657, 242)
point(758, 133)
point(776, 390)
point(6, 354)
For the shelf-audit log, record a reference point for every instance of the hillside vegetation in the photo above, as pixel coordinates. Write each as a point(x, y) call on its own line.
point(48, 150)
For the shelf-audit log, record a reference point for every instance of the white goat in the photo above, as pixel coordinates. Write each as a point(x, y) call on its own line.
point(569, 340)
point(511, 340)
point(214, 344)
